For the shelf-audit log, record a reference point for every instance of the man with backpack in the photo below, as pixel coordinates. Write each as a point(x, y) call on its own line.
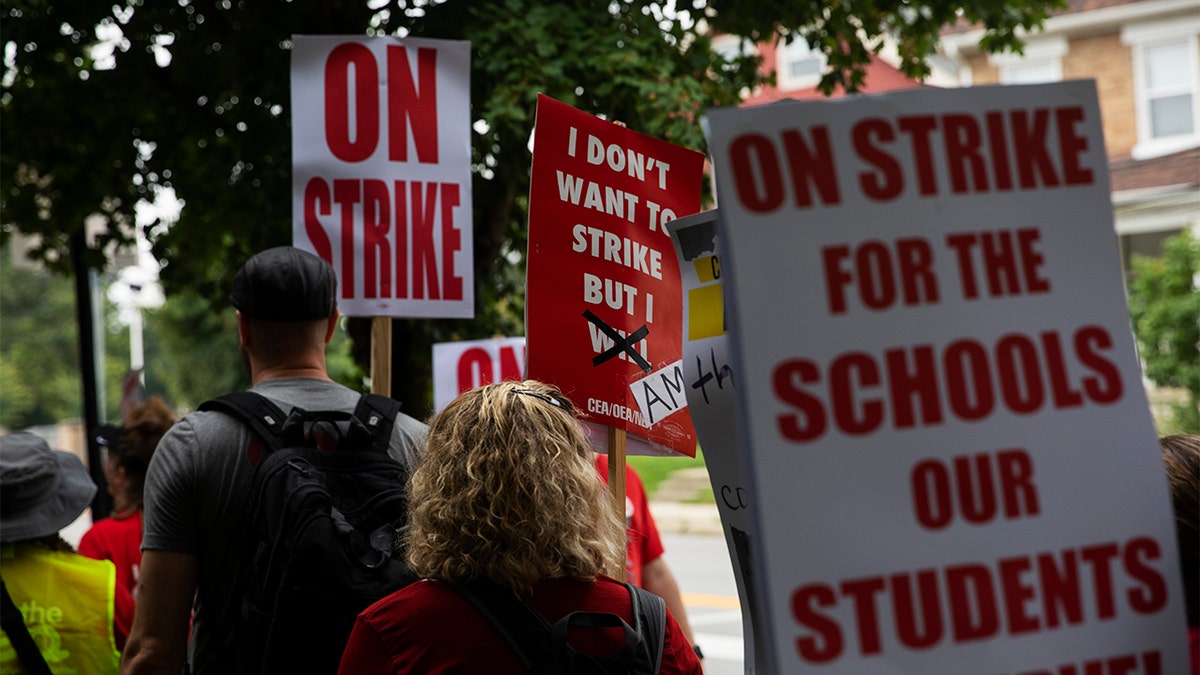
point(263, 520)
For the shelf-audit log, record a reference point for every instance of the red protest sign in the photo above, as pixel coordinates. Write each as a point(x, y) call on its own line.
point(603, 299)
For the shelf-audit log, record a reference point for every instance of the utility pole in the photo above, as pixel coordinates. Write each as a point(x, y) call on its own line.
point(87, 365)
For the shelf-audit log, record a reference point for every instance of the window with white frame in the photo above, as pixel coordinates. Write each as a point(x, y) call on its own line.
point(732, 47)
point(1166, 78)
point(797, 66)
point(1170, 96)
point(1040, 61)
point(1032, 72)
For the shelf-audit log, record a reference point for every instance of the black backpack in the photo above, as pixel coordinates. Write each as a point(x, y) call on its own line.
point(542, 649)
point(325, 507)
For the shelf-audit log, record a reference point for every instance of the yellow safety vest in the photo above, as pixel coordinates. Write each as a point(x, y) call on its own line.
point(67, 601)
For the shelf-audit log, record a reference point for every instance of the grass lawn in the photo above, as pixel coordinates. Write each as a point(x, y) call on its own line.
point(653, 470)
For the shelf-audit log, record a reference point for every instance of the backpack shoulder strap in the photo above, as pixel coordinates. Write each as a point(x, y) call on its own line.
point(651, 612)
point(258, 412)
point(378, 413)
point(13, 623)
point(521, 626)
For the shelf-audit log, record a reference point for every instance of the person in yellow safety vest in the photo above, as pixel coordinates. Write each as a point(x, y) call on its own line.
point(75, 613)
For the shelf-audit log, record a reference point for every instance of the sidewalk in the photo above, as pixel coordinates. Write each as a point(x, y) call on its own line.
point(680, 518)
point(675, 512)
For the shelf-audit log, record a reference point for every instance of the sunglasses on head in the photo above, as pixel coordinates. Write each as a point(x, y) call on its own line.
point(552, 400)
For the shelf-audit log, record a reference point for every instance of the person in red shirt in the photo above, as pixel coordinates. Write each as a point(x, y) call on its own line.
point(645, 565)
point(119, 537)
point(505, 491)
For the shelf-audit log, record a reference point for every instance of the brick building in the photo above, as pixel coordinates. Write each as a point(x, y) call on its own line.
point(798, 70)
point(1145, 58)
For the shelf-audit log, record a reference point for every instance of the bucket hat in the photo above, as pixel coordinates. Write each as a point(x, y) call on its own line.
point(41, 490)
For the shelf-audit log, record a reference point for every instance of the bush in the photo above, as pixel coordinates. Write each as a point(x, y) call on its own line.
point(1164, 303)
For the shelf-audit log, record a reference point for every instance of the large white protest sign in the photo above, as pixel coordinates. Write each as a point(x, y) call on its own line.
point(381, 141)
point(950, 454)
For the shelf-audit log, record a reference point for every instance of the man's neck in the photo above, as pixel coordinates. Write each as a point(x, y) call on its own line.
point(289, 371)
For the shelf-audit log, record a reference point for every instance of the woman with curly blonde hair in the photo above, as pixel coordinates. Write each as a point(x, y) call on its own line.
point(505, 492)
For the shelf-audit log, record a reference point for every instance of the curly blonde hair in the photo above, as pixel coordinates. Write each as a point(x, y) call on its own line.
point(506, 490)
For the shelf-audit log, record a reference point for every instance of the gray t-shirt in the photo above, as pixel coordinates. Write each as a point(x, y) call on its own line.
point(197, 494)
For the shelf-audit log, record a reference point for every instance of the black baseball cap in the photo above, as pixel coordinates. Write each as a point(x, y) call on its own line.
point(285, 284)
point(108, 435)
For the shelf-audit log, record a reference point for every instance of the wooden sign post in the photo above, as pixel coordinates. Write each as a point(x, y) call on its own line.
point(616, 483)
point(381, 355)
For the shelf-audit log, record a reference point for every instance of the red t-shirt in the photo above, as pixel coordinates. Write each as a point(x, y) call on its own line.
point(428, 628)
point(118, 540)
point(643, 544)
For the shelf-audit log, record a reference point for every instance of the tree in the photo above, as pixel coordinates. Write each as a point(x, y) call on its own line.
point(1165, 305)
point(848, 33)
point(191, 351)
point(39, 360)
point(194, 97)
point(195, 353)
point(37, 365)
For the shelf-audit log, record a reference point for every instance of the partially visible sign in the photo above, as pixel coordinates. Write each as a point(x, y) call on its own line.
point(381, 131)
point(711, 386)
point(133, 392)
point(949, 452)
point(466, 364)
point(602, 295)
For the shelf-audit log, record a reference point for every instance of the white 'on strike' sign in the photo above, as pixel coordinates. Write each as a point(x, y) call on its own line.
point(381, 142)
point(951, 456)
